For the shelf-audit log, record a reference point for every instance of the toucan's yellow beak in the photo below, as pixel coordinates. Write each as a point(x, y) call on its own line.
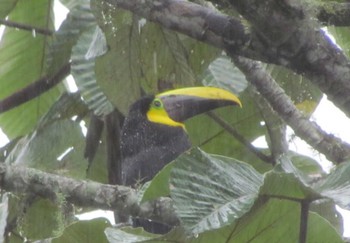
point(175, 106)
point(211, 93)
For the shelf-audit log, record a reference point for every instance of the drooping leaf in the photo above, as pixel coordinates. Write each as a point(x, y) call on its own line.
point(337, 185)
point(78, 19)
point(210, 191)
point(84, 74)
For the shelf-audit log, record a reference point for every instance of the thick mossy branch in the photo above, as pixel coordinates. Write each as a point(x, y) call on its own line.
point(19, 179)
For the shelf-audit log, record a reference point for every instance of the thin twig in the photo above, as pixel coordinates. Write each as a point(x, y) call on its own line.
point(240, 138)
point(26, 27)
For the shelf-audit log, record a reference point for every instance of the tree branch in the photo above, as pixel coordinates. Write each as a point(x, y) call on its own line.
point(19, 179)
point(192, 19)
point(275, 126)
point(33, 90)
point(25, 27)
point(332, 147)
point(304, 48)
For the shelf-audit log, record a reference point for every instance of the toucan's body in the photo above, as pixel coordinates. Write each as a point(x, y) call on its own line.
point(153, 133)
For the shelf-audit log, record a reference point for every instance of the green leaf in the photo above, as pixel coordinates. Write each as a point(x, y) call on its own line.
point(22, 55)
point(84, 74)
point(60, 48)
point(274, 221)
point(210, 191)
point(222, 73)
point(57, 144)
point(159, 186)
point(303, 167)
point(84, 231)
point(6, 6)
point(41, 220)
point(336, 185)
point(286, 185)
point(326, 208)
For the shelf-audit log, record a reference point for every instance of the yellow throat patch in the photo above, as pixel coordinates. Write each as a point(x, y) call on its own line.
point(158, 114)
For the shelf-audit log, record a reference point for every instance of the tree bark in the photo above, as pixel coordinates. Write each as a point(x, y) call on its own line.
point(18, 179)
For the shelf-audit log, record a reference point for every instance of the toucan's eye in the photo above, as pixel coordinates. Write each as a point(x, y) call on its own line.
point(157, 103)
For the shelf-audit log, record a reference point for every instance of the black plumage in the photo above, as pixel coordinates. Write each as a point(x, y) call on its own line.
point(146, 146)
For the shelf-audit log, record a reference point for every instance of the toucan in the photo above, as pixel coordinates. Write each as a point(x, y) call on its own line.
point(154, 134)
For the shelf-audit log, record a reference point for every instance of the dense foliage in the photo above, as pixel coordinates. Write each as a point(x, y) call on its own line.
point(276, 56)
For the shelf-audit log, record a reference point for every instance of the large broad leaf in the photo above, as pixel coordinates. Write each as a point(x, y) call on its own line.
point(22, 58)
point(210, 191)
point(337, 185)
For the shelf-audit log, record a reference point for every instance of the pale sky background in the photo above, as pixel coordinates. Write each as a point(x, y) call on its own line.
point(327, 116)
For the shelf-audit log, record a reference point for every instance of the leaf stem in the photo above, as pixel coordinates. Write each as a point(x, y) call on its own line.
point(304, 216)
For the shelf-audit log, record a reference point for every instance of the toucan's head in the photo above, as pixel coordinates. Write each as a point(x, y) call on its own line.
point(173, 107)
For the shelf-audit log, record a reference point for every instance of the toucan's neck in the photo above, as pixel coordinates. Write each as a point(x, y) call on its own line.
point(147, 147)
